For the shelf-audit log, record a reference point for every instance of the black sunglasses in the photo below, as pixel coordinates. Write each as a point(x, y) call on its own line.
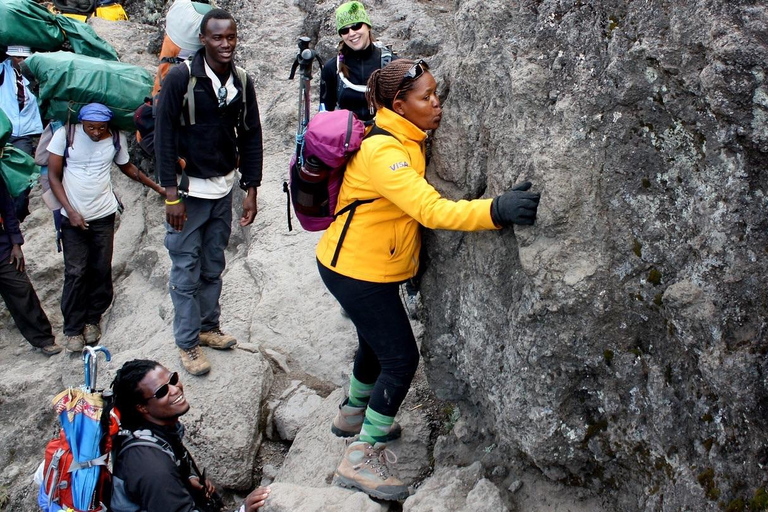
point(357, 26)
point(414, 72)
point(222, 94)
point(163, 390)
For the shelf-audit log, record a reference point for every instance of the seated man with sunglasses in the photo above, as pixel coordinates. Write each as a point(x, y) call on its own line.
point(211, 126)
point(153, 470)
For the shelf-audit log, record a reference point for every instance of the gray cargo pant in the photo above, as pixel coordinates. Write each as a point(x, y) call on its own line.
point(197, 257)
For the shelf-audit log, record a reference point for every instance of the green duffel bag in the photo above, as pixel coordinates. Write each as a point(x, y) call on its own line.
point(6, 128)
point(69, 81)
point(18, 170)
point(27, 23)
point(84, 39)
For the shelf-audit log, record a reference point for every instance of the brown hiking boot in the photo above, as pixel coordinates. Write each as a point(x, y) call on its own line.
point(365, 468)
point(51, 349)
point(349, 421)
point(91, 334)
point(74, 343)
point(217, 339)
point(194, 360)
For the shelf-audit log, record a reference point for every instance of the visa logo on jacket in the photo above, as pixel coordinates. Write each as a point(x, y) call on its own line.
point(398, 165)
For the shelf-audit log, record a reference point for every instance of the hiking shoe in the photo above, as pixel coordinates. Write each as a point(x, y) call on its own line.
point(217, 339)
point(91, 334)
point(74, 343)
point(51, 349)
point(194, 360)
point(366, 468)
point(349, 421)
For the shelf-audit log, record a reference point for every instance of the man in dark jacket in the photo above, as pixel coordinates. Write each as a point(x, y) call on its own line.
point(206, 136)
point(153, 470)
point(15, 287)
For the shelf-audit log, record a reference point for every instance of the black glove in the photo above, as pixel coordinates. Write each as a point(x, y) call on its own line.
point(516, 206)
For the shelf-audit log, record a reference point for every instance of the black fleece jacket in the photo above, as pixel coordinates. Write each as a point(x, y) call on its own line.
point(361, 65)
point(211, 146)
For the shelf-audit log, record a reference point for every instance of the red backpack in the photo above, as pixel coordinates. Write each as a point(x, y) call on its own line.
point(57, 476)
point(88, 419)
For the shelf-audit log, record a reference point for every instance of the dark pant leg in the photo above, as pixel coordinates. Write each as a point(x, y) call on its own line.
point(24, 306)
point(98, 273)
point(384, 332)
point(23, 143)
point(21, 203)
point(75, 293)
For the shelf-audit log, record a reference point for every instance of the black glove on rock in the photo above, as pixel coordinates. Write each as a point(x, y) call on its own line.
point(516, 206)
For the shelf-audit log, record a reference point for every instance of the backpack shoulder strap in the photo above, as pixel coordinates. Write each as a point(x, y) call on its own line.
point(352, 207)
point(145, 438)
point(377, 130)
point(116, 140)
point(68, 141)
point(242, 74)
point(189, 96)
point(386, 53)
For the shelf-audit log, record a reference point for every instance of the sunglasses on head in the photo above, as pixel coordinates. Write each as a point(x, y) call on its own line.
point(414, 72)
point(357, 26)
point(222, 95)
point(163, 390)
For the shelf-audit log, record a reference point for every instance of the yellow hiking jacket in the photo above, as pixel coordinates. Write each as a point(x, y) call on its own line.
point(383, 241)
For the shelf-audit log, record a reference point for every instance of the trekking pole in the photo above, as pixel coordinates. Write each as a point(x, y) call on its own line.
point(304, 60)
point(90, 358)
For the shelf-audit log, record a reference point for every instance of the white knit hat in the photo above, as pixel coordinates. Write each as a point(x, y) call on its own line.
point(19, 51)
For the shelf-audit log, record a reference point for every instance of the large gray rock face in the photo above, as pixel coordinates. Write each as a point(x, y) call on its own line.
point(619, 343)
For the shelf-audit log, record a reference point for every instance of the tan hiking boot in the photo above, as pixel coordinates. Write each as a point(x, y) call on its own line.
point(51, 349)
point(365, 468)
point(349, 422)
point(217, 339)
point(194, 360)
point(91, 334)
point(74, 343)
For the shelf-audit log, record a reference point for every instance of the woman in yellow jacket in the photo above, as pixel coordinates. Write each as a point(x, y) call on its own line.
point(374, 246)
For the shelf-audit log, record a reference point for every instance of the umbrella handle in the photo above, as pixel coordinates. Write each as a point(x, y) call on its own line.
point(90, 358)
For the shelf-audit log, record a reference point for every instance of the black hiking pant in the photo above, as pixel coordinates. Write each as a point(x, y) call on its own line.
point(24, 306)
point(387, 355)
point(87, 272)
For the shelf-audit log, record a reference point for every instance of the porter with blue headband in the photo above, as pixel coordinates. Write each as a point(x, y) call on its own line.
point(80, 174)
